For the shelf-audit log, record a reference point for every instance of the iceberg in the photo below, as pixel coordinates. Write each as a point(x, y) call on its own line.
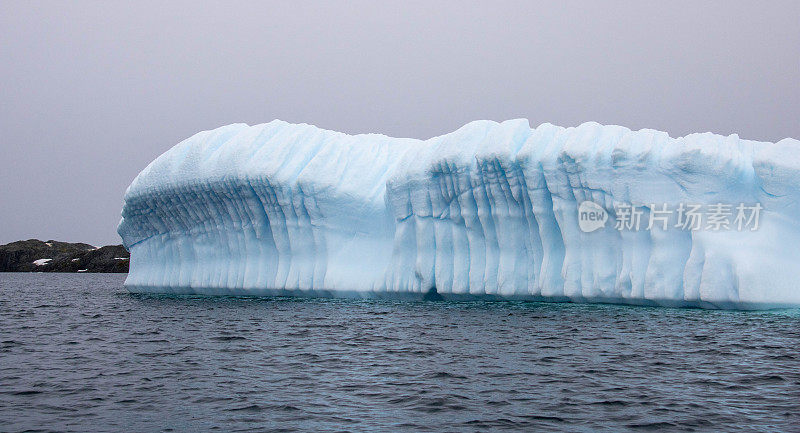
point(591, 213)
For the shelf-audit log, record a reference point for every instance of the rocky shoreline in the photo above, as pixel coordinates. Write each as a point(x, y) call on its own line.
point(34, 255)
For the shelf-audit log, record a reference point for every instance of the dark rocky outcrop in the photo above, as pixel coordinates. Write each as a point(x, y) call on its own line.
point(34, 255)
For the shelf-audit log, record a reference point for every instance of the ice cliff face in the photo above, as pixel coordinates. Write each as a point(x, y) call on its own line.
point(490, 209)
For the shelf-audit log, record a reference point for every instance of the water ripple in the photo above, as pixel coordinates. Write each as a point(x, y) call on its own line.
point(78, 353)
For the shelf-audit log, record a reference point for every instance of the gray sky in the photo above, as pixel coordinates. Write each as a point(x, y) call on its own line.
point(91, 93)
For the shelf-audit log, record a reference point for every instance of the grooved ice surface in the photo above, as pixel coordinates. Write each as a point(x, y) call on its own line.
point(490, 209)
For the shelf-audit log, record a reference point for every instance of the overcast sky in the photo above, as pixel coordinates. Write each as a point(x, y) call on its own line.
point(90, 92)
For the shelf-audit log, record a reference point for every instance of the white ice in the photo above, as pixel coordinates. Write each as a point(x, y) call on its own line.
point(489, 210)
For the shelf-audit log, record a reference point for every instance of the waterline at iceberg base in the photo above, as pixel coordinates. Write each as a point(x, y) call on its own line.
point(490, 210)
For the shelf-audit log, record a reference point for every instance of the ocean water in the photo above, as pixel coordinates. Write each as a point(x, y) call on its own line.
point(79, 353)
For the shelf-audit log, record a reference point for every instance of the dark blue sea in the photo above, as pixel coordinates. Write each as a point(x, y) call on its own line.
point(79, 353)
